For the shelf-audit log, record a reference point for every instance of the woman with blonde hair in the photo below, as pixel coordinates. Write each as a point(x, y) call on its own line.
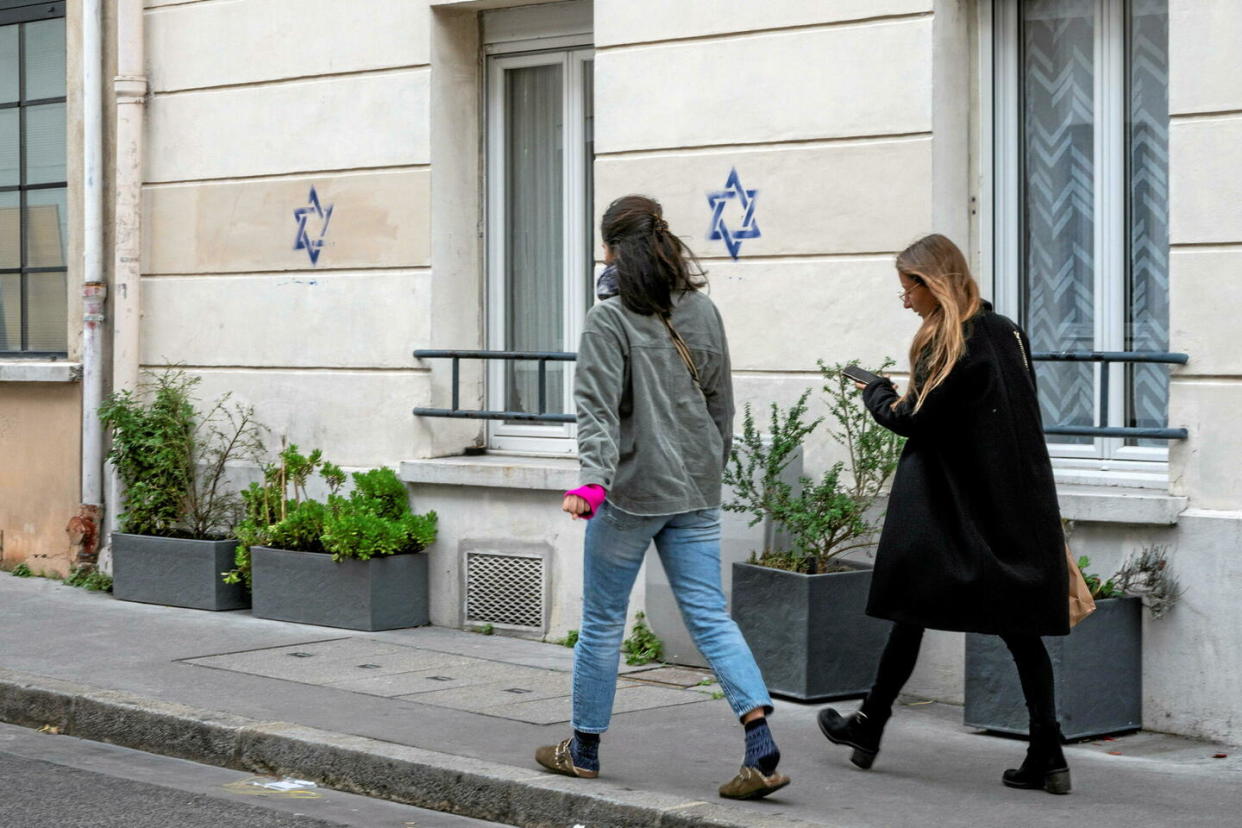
point(972, 540)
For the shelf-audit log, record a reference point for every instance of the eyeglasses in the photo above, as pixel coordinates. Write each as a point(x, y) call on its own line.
point(904, 295)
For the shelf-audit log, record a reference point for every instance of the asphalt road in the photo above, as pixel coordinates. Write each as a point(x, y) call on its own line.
point(52, 781)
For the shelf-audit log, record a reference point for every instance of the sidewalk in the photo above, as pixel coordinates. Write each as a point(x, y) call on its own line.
point(450, 720)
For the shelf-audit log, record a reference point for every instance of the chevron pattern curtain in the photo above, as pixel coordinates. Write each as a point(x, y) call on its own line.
point(1060, 305)
point(1057, 282)
point(1147, 174)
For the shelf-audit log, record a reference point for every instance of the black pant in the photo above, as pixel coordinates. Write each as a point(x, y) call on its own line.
point(902, 651)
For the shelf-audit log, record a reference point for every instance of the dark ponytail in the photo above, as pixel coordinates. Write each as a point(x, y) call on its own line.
point(651, 262)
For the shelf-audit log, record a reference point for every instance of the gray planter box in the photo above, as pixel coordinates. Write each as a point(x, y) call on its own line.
point(175, 572)
point(810, 633)
point(1098, 669)
point(384, 593)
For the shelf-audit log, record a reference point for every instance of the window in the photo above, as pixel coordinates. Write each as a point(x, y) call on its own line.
point(33, 189)
point(539, 226)
point(1080, 212)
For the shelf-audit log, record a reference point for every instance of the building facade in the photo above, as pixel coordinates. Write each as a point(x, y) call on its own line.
point(288, 198)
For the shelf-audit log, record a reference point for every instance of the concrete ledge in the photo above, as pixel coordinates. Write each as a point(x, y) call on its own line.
point(23, 371)
point(496, 471)
point(444, 782)
point(1109, 504)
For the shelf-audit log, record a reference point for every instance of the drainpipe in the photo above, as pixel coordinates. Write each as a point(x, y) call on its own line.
point(130, 86)
point(94, 291)
point(131, 90)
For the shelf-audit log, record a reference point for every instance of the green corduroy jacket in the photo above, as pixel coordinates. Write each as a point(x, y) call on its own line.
point(645, 432)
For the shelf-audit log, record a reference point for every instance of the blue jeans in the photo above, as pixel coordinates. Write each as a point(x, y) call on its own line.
point(689, 547)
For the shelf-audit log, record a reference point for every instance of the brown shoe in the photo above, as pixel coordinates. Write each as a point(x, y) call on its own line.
point(750, 783)
point(558, 759)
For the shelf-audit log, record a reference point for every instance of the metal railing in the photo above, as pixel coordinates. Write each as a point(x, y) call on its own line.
point(457, 412)
point(1106, 359)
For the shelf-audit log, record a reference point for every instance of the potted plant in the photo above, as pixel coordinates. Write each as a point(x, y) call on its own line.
point(801, 604)
point(172, 459)
point(1098, 668)
point(350, 561)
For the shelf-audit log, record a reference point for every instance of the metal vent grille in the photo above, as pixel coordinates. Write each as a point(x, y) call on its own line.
point(504, 589)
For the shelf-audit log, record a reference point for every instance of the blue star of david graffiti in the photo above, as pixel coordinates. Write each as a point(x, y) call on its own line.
point(304, 241)
point(746, 199)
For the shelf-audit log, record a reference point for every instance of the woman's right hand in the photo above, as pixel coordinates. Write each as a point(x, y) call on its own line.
point(576, 506)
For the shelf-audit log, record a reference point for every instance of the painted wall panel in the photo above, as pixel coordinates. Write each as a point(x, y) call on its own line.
point(40, 441)
point(378, 219)
point(301, 319)
point(1205, 190)
point(251, 41)
point(866, 197)
point(1191, 661)
point(358, 418)
point(514, 518)
point(1202, 283)
point(1205, 465)
point(637, 21)
point(339, 123)
point(1203, 56)
point(785, 315)
point(784, 86)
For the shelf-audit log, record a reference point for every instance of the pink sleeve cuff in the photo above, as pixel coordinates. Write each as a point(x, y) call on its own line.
point(593, 494)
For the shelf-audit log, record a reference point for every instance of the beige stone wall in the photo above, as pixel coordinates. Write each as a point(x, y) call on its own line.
point(1205, 147)
point(826, 110)
point(852, 121)
point(1192, 663)
point(40, 438)
point(252, 104)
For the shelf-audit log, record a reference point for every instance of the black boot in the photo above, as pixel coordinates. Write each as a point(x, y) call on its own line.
point(1045, 766)
point(861, 731)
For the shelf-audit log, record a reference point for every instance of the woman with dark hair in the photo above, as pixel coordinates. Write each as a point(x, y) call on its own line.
point(972, 540)
point(654, 398)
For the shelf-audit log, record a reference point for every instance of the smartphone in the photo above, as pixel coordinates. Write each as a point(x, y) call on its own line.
point(860, 374)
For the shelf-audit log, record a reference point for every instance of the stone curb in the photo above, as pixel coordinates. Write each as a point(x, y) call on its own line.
point(356, 764)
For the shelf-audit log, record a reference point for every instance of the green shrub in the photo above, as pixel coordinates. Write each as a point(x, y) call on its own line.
point(21, 571)
point(381, 491)
point(87, 577)
point(302, 527)
point(1099, 588)
point(642, 646)
point(1146, 574)
point(171, 457)
point(823, 518)
point(374, 519)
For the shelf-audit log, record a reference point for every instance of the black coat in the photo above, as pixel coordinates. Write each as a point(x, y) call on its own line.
point(972, 540)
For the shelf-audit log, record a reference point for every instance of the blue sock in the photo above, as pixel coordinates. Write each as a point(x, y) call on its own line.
point(585, 750)
point(761, 750)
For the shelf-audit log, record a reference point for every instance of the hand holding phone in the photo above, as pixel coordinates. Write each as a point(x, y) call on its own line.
point(860, 374)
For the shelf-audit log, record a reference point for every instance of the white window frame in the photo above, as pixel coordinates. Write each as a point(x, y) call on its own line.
point(1107, 460)
point(570, 52)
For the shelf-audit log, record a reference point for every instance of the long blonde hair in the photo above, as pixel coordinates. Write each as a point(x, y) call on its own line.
point(938, 264)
